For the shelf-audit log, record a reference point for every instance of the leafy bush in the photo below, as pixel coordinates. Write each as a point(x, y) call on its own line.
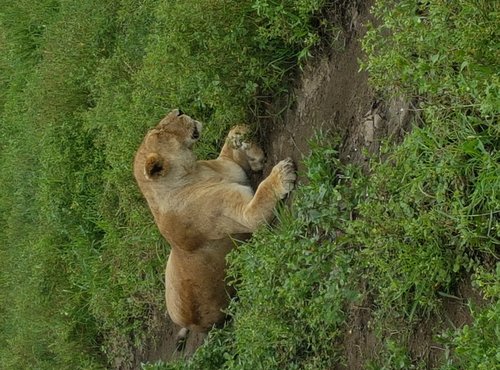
point(296, 279)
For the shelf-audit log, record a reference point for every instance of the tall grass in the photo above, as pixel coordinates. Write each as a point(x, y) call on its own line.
point(81, 260)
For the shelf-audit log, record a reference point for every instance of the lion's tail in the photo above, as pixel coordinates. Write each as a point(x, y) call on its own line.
point(181, 338)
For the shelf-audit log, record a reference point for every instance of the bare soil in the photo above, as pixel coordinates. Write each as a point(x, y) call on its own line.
point(333, 96)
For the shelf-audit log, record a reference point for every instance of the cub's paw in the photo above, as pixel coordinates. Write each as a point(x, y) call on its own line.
point(285, 176)
point(255, 157)
point(239, 138)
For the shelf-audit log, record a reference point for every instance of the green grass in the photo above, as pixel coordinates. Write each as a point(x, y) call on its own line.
point(80, 83)
point(433, 205)
point(81, 261)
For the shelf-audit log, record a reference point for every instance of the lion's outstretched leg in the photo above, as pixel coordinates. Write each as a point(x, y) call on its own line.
point(275, 187)
point(241, 149)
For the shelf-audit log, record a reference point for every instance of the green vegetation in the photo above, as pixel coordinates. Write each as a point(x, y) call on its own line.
point(433, 206)
point(80, 82)
point(81, 261)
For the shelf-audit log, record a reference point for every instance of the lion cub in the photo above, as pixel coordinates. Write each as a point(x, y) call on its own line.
point(199, 207)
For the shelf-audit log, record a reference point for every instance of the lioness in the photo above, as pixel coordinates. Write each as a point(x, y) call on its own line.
point(200, 207)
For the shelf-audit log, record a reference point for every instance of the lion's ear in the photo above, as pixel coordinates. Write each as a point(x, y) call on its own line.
point(155, 166)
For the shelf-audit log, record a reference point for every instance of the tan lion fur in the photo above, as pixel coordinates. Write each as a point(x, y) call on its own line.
point(200, 207)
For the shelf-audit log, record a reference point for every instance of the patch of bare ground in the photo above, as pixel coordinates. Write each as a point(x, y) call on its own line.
point(162, 343)
point(333, 96)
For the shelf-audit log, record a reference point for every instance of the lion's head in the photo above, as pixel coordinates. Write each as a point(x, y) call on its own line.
point(166, 149)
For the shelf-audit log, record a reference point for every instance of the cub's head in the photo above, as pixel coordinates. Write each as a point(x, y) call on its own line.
point(166, 149)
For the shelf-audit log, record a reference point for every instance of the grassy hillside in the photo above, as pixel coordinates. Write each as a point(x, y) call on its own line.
point(81, 262)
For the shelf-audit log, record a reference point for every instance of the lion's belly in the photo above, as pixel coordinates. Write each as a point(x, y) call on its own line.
point(195, 288)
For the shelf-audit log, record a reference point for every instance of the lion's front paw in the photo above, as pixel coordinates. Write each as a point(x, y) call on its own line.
point(286, 176)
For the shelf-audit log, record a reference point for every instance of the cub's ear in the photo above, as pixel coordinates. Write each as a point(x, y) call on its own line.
point(155, 166)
